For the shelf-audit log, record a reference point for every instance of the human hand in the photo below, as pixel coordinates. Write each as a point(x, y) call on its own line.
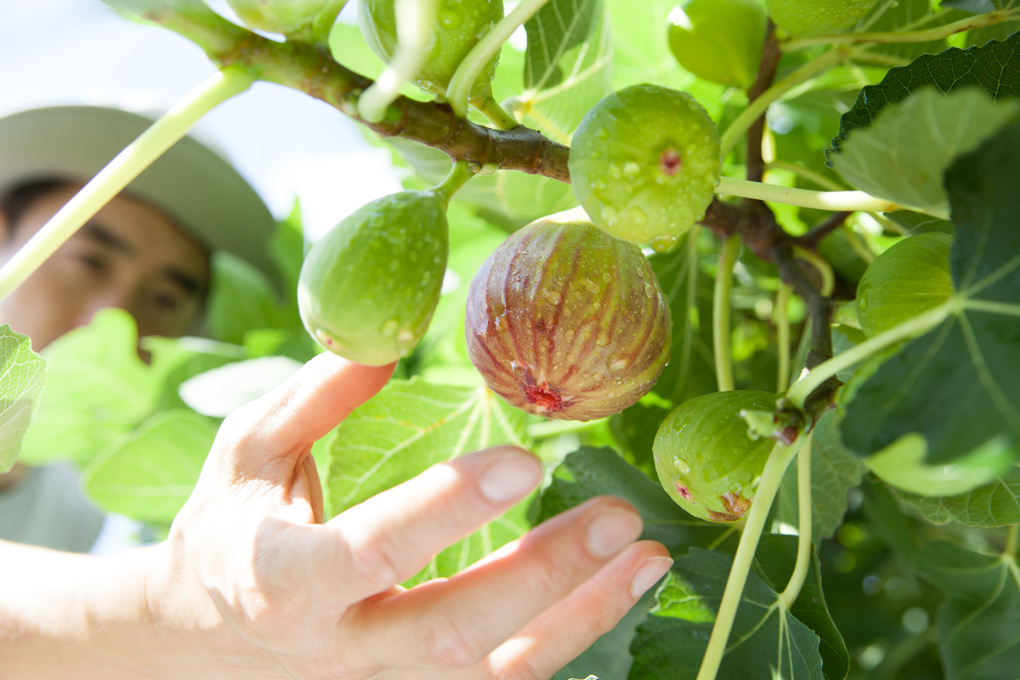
point(273, 593)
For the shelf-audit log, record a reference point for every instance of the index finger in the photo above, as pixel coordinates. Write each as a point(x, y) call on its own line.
point(285, 422)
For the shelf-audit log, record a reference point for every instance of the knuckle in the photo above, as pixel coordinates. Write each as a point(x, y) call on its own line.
point(548, 577)
point(451, 645)
point(376, 564)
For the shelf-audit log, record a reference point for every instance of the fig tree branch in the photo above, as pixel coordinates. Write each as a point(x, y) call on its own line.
point(312, 70)
point(762, 81)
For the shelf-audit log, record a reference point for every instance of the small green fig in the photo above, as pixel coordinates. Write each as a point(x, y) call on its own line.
point(564, 321)
point(367, 290)
point(458, 27)
point(644, 163)
point(283, 16)
point(705, 458)
point(719, 40)
point(817, 17)
point(909, 278)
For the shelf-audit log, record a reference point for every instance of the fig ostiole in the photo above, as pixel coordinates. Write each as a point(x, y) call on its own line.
point(458, 26)
point(644, 163)
point(707, 460)
point(368, 288)
point(567, 322)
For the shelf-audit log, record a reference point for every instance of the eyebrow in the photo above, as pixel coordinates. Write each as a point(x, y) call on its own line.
point(99, 233)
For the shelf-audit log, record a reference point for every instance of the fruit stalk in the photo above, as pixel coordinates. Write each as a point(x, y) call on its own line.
point(771, 478)
point(127, 165)
point(804, 527)
point(721, 313)
point(457, 93)
point(781, 318)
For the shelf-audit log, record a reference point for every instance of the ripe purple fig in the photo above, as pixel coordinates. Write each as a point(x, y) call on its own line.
point(567, 322)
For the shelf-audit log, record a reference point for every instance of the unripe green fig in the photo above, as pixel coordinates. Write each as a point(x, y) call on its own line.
point(901, 465)
point(817, 17)
point(909, 278)
point(566, 322)
point(705, 458)
point(367, 290)
point(644, 163)
point(458, 27)
point(282, 16)
point(719, 40)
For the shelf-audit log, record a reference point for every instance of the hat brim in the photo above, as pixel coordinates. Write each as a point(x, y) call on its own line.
point(191, 183)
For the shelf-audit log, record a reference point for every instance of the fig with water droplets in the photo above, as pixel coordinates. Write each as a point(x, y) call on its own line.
point(567, 322)
point(817, 17)
point(458, 26)
point(368, 289)
point(705, 458)
point(644, 163)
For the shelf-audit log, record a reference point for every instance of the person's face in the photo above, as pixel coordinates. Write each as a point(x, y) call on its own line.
point(129, 255)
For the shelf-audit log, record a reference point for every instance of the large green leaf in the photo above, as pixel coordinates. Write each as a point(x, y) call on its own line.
point(149, 473)
point(913, 141)
point(767, 641)
point(96, 390)
point(957, 384)
point(567, 66)
point(410, 426)
point(994, 67)
point(992, 505)
point(834, 471)
point(22, 376)
point(979, 623)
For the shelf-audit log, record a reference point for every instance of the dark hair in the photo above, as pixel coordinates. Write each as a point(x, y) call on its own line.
point(16, 201)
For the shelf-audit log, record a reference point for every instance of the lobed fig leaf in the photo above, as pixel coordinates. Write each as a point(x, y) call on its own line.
point(644, 163)
point(909, 278)
point(566, 322)
point(719, 40)
point(705, 457)
point(367, 290)
point(458, 26)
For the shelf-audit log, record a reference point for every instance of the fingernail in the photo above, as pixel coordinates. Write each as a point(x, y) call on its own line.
point(511, 478)
point(649, 574)
point(613, 529)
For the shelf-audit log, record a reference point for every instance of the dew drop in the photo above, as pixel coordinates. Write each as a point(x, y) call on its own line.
point(607, 277)
point(662, 243)
point(631, 169)
point(389, 328)
point(681, 465)
point(571, 357)
point(405, 341)
point(598, 377)
point(638, 216)
point(603, 133)
point(450, 18)
point(569, 335)
point(649, 290)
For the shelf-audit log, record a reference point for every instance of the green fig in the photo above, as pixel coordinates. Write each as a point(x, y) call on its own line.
point(817, 17)
point(458, 27)
point(367, 290)
point(719, 40)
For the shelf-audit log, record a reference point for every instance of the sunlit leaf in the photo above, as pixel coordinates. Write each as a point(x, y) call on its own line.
point(995, 504)
point(22, 376)
point(410, 426)
point(149, 473)
point(914, 140)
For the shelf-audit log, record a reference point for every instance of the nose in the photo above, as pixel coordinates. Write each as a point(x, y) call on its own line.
point(119, 298)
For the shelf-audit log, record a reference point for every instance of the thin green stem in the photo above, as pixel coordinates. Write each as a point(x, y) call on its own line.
point(459, 175)
point(771, 477)
point(127, 165)
point(497, 115)
point(458, 92)
point(414, 27)
point(806, 198)
point(781, 317)
point(1012, 538)
point(911, 328)
point(892, 37)
point(821, 265)
point(553, 428)
point(805, 527)
point(806, 173)
point(742, 123)
point(1006, 308)
point(721, 313)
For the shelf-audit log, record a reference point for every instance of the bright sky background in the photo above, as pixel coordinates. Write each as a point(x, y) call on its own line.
point(286, 143)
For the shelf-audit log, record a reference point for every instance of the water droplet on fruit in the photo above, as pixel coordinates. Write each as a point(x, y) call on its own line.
point(389, 328)
point(638, 216)
point(681, 465)
point(450, 18)
point(569, 335)
point(616, 365)
point(662, 243)
point(631, 169)
point(601, 342)
point(405, 341)
point(649, 290)
point(598, 377)
point(603, 133)
point(615, 171)
point(571, 357)
point(607, 277)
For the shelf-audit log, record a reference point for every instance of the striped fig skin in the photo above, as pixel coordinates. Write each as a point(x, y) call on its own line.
point(567, 322)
